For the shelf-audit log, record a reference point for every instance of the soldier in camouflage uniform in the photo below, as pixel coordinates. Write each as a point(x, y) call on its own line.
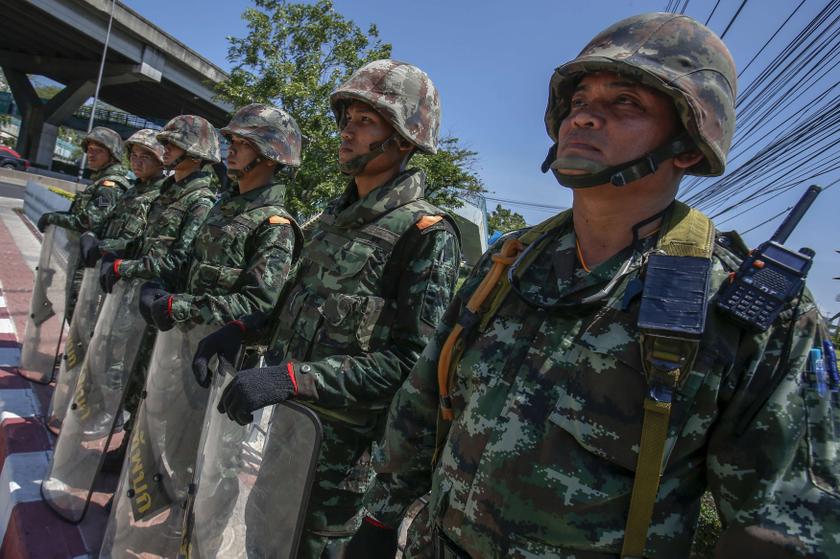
point(92, 207)
point(123, 232)
point(191, 147)
point(377, 270)
point(242, 253)
point(529, 439)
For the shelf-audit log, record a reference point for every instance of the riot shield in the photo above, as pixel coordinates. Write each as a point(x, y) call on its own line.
point(75, 347)
point(97, 400)
point(147, 514)
point(45, 324)
point(253, 482)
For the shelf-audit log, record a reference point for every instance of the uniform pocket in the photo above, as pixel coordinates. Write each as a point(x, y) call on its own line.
point(217, 278)
point(823, 436)
point(349, 321)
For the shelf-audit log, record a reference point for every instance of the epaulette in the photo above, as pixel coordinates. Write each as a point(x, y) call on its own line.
point(427, 221)
point(278, 220)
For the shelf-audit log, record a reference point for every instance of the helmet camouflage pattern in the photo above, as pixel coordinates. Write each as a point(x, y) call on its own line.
point(671, 53)
point(273, 131)
point(107, 138)
point(194, 135)
point(148, 139)
point(403, 94)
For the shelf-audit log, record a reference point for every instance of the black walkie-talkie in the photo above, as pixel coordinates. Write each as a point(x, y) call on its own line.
point(770, 276)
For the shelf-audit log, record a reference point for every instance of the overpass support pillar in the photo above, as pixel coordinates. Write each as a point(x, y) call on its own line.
point(40, 119)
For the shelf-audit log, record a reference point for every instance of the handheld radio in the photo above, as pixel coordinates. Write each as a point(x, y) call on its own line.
point(770, 276)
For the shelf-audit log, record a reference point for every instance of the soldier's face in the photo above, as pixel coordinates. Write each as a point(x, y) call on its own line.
point(613, 120)
point(144, 163)
point(98, 156)
point(171, 152)
point(363, 127)
point(240, 153)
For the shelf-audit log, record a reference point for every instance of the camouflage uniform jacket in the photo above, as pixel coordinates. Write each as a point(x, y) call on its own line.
point(172, 224)
point(353, 325)
point(124, 231)
point(240, 259)
point(540, 458)
point(92, 207)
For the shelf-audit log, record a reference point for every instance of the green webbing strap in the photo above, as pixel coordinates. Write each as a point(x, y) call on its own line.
point(526, 239)
point(686, 232)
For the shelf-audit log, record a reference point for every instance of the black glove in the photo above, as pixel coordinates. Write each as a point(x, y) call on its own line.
point(89, 248)
point(108, 276)
point(44, 220)
point(150, 292)
point(223, 343)
point(372, 540)
point(253, 389)
point(161, 313)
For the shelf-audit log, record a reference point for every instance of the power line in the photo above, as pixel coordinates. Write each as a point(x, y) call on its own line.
point(731, 21)
point(714, 9)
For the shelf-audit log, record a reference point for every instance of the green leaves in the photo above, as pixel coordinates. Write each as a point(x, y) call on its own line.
point(294, 56)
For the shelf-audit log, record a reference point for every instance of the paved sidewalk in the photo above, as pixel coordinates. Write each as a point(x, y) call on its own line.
point(29, 529)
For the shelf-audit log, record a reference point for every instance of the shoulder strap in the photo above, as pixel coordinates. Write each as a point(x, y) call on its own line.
point(665, 357)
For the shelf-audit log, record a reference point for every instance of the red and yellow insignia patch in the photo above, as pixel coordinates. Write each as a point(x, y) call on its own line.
point(278, 220)
point(427, 221)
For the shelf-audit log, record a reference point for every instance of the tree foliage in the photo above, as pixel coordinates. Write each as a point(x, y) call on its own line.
point(503, 220)
point(293, 56)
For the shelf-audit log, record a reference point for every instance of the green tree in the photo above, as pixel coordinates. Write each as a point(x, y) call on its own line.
point(293, 56)
point(504, 220)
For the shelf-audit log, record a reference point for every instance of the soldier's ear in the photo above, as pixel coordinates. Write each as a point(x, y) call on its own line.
point(404, 145)
point(688, 159)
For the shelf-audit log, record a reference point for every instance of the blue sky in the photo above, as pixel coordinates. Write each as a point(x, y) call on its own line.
point(491, 61)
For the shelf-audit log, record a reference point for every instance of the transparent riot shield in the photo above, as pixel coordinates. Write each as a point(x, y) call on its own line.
point(45, 324)
point(147, 514)
point(253, 482)
point(75, 347)
point(97, 400)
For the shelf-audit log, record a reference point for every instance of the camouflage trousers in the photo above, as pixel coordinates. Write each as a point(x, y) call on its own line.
point(71, 291)
point(137, 378)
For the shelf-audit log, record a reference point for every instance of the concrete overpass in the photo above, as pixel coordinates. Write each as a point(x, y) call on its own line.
point(147, 72)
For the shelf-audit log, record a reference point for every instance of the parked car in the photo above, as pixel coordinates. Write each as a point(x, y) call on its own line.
point(11, 159)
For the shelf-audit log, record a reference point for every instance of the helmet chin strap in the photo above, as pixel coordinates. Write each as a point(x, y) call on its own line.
point(239, 173)
point(618, 175)
point(356, 165)
point(178, 160)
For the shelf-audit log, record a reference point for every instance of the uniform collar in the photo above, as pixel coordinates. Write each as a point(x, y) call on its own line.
point(350, 211)
point(272, 194)
point(112, 170)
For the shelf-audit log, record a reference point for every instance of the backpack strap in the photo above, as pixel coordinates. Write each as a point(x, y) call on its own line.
point(668, 354)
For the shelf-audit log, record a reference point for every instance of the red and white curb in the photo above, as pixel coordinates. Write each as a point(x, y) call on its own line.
point(28, 529)
point(9, 346)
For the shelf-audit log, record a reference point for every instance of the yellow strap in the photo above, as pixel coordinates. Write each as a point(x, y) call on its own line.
point(686, 232)
point(646, 482)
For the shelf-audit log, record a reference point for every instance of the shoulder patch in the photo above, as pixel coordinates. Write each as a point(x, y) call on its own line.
point(427, 221)
point(278, 220)
point(109, 184)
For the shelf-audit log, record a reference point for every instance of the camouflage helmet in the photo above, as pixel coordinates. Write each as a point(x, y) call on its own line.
point(671, 53)
point(107, 138)
point(146, 138)
point(194, 135)
point(273, 131)
point(403, 94)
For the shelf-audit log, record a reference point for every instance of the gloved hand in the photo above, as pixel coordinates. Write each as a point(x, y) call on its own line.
point(253, 389)
point(44, 220)
point(223, 343)
point(161, 313)
point(89, 248)
point(150, 292)
point(373, 539)
point(109, 273)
